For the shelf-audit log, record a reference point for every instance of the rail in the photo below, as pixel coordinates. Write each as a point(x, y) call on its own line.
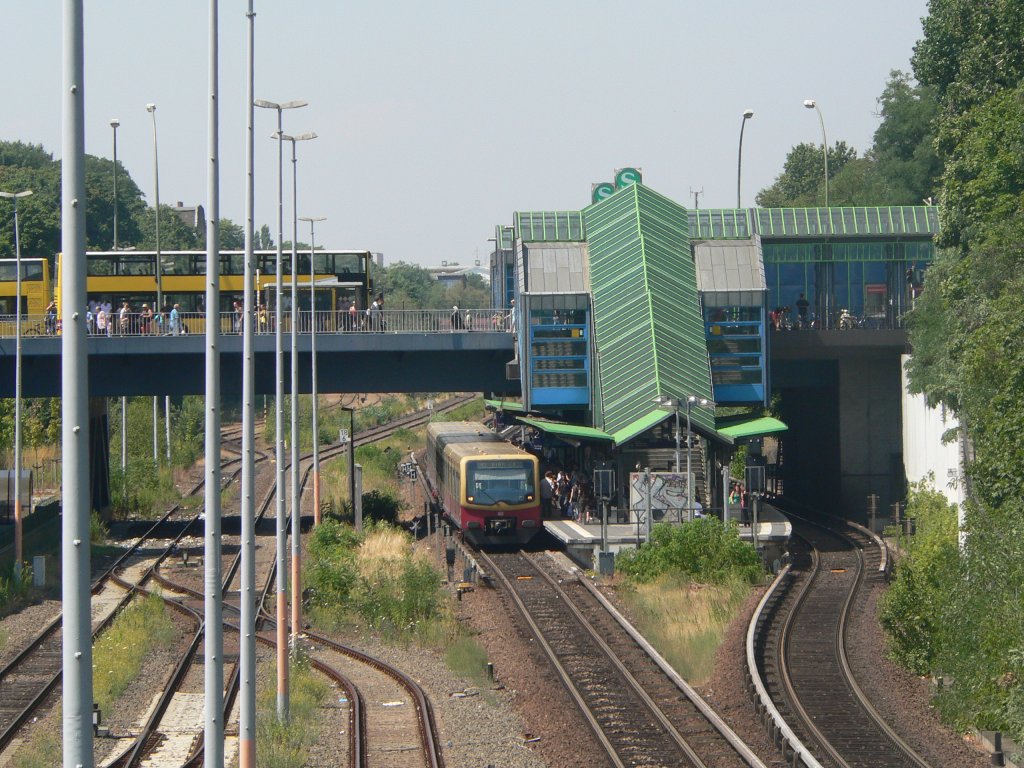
point(118, 325)
point(780, 728)
point(885, 563)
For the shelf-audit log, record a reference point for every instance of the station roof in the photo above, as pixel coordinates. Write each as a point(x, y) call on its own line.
point(561, 429)
point(513, 406)
point(739, 427)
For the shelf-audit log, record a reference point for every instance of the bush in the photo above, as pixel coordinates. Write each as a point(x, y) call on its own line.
point(705, 550)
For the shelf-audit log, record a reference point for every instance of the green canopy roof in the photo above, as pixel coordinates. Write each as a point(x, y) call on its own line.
point(763, 425)
point(561, 429)
point(505, 405)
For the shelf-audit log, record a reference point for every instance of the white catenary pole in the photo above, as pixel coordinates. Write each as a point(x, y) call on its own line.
point(312, 351)
point(76, 654)
point(213, 668)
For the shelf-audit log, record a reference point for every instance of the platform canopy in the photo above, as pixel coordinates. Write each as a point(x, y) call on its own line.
point(561, 429)
point(505, 405)
point(745, 426)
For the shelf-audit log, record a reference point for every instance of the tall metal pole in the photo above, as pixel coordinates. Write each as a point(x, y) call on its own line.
point(689, 454)
point(159, 309)
point(812, 104)
point(282, 521)
point(296, 499)
point(676, 409)
point(114, 124)
point(247, 634)
point(18, 552)
point(213, 668)
point(167, 425)
point(747, 114)
point(124, 432)
point(156, 432)
point(312, 350)
point(76, 654)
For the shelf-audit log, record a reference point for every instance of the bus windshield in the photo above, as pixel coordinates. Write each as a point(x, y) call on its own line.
point(496, 481)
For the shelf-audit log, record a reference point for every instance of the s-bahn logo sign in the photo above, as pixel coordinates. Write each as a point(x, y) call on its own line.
point(623, 178)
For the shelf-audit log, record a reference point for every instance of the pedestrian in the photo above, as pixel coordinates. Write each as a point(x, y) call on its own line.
point(547, 493)
point(123, 318)
point(176, 320)
point(456, 318)
point(261, 319)
point(90, 321)
point(353, 317)
point(102, 322)
point(698, 508)
point(51, 318)
point(236, 310)
point(802, 305)
point(146, 320)
point(376, 314)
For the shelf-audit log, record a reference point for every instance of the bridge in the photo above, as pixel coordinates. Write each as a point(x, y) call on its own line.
point(414, 351)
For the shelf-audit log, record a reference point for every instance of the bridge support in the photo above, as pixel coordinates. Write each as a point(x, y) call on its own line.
point(99, 456)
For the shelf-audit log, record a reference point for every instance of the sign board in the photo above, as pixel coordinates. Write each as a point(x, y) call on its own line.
point(755, 479)
point(604, 483)
point(599, 192)
point(626, 176)
point(668, 495)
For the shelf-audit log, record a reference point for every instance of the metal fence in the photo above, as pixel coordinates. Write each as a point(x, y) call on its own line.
point(192, 323)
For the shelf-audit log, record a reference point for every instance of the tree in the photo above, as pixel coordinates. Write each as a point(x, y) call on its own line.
point(232, 236)
point(801, 183)
point(907, 163)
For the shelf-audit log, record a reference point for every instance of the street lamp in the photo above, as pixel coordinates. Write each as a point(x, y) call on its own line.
point(282, 572)
point(296, 499)
point(14, 197)
point(312, 350)
point(115, 123)
point(812, 104)
point(151, 108)
point(747, 114)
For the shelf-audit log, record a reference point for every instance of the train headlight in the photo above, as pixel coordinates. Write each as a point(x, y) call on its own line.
point(529, 497)
point(469, 499)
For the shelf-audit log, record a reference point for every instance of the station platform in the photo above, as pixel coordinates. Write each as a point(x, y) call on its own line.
point(582, 540)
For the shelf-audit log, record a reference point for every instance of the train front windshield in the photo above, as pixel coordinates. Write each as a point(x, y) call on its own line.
point(494, 482)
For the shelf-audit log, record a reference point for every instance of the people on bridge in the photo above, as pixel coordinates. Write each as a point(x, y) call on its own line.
point(146, 319)
point(51, 319)
point(353, 317)
point(90, 321)
point(102, 322)
point(802, 305)
point(376, 315)
point(123, 318)
point(456, 318)
point(176, 320)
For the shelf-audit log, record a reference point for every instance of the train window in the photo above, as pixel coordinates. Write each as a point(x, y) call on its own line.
point(492, 482)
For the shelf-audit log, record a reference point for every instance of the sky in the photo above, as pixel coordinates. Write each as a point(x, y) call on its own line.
point(437, 120)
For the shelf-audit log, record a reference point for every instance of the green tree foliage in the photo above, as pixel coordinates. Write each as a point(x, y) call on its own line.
point(904, 155)
point(802, 181)
point(964, 331)
point(175, 234)
point(411, 286)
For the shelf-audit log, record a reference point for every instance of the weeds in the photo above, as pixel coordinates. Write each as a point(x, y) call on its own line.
point(686, 621)
point(119, 652)
point(467, 658)
point(285, 744)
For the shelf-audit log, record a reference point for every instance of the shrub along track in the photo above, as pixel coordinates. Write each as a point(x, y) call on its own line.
point(639, 713)
point(797, 659)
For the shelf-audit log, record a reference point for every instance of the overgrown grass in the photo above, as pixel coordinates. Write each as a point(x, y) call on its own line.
point(467, 658)
point(286, 744)
point(141, 490)
point(374, 579)
point(14, 590)
point(119, 652)
point(44, 750)
point(684, 620)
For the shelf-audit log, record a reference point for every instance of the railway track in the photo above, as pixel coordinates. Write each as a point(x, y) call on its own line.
point(640, 714)
point(797, 659)
point(191, 600)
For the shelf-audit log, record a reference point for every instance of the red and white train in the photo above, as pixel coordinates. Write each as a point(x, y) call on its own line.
point(487, 487)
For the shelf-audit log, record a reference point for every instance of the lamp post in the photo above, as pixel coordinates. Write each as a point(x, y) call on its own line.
point(747, 114)
point(296, 499)
point(672, 404)
point(115, 124)
point(282, 572)
point(812, 104)
point(312, 351)
point(151, 108)
point(14, 197)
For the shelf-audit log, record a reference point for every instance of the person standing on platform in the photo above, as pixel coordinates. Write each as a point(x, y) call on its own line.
point(456, 318)
point(102, 322)
point(353, 317)
point(802, 305)
point(547, 493)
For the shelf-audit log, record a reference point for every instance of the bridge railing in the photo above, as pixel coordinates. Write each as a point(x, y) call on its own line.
point(193, 323)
